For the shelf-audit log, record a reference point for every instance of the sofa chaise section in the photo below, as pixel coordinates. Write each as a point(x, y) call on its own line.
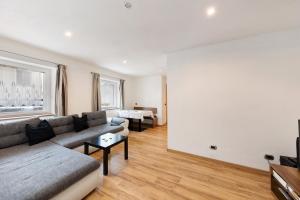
point(41, 171)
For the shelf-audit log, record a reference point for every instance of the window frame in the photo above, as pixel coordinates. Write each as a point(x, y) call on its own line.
point(47, 87)
point(117, 97)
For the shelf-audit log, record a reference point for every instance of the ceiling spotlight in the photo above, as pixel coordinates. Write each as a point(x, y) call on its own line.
point(127, 4)
point(211, 11)
point(125, 61)
point(68, 34)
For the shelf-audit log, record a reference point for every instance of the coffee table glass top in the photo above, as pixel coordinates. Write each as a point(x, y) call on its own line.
point(106, 140)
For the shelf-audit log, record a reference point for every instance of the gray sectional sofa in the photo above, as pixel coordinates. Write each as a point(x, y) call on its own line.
point(51, 169)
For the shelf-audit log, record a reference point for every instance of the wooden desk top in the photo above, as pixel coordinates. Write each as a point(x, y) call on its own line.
point(288, 174)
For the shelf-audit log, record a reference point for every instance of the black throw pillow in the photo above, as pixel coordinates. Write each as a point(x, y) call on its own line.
point(80, 124)
point(40, 133)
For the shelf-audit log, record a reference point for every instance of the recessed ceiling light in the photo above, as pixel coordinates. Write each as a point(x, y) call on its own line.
point(125, 61)
point(68, 34)
point(211, 11)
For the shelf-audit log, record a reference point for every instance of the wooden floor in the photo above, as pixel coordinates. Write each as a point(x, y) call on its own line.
point(154, 173)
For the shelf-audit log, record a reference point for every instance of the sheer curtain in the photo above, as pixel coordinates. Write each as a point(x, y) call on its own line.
point(21, 89)
point(96, 95)
point(61, 91)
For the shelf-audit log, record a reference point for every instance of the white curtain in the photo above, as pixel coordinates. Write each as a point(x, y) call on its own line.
point(20, 89)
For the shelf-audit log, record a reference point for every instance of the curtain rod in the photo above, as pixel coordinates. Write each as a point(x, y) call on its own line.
point(30, 57)
point(107, 76)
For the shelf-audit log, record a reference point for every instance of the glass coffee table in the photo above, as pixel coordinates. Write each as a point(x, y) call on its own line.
point(106, 142)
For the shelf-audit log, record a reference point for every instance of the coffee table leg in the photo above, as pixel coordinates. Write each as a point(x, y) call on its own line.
point(105, 162)
point(86, 149)
point(126, 149)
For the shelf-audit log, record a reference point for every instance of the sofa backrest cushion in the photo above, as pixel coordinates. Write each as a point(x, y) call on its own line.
point(96, 118)
point(62, 124)
point(13, 132)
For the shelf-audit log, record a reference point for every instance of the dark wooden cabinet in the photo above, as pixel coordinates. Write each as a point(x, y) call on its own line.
point(285, 182)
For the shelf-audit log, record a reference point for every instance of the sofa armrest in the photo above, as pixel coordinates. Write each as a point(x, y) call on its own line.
point(118, 120)
point(125, 124)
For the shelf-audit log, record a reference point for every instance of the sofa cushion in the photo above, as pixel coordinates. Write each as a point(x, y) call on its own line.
point(13, 132)
point(75, 139)
point(107, 128)
point(62, 124)
point(96, 118)
point(41, 171)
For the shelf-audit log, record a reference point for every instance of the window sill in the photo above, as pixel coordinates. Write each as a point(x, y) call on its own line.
point(16, 116)
point(110, 108)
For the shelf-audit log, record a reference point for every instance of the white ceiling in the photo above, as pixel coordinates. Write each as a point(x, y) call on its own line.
point(106, 33)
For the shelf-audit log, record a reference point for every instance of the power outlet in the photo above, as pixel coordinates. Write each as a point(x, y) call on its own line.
point(269, 157)
point(213, 147)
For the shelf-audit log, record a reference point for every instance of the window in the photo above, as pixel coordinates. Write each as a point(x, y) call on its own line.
point(24, 89)
point(110, 94)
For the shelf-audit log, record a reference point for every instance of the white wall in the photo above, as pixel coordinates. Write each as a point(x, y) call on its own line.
point(149, 93)
point(242, 95)
point(79, 74)
point(164, 99)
